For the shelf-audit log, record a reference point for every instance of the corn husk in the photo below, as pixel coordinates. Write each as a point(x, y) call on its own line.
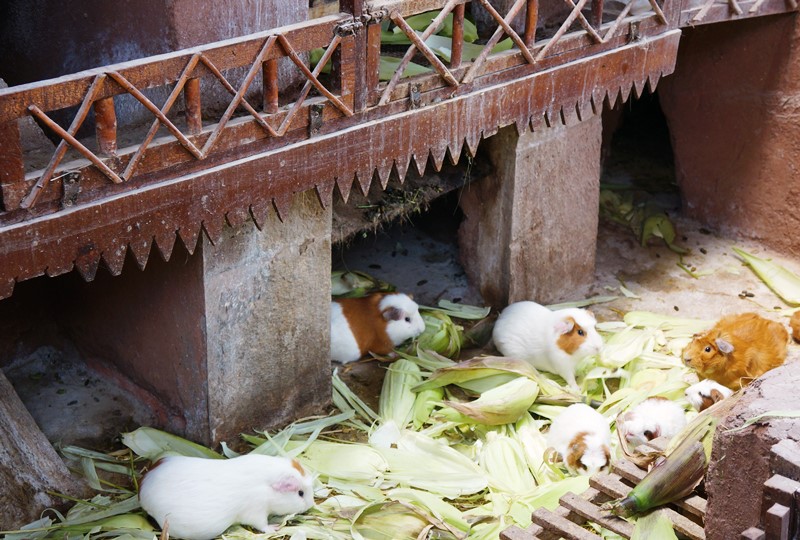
point(504, 404)
point(351, 283)
point(437, 507)
point(396, 401)
point(528, 433)
point(782, 282)
point(352, 462)
point(152, 444)
point(421, 462)
point(392, 521)
point(673, 327)
point(503, 459)
point(441, 334)
point(654, 525)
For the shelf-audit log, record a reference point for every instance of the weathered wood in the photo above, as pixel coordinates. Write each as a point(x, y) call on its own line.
point(106, 126)
point(694, 505)
point(592, 513)
point(29, 465)
point(182, 202)
point(157, 70)
point(12, 168)
point(785, 459)
point(566, 528)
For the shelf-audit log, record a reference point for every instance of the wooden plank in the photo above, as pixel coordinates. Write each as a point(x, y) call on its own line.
point(182, 199)
point(694, 505)
point(721, 12)
point(780, 489)
point(591, 512)
point(162, 69)
point(565, 528)
point(517, 533)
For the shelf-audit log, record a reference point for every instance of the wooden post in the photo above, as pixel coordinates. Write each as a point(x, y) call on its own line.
point(191, 97)
point(106, 126)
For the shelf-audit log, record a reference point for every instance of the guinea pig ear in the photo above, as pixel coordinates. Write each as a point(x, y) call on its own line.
point(392, 314)
point(564, 326)
point(725, 347)
point(716, 395)
point(287, 484)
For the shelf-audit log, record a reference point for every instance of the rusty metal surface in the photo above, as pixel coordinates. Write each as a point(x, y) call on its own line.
point(241, 167)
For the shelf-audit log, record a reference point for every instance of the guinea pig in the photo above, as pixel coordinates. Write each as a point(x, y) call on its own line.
point(372, 324)
point(199, 498)
point(794, 323)
point(652, 418)
point(738, 349)
point(704, 394)
point(553, 341)
point(580, 435)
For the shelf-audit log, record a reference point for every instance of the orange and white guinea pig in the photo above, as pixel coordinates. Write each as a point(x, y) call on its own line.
point(794, 323)
point(376, 323)
point(554, 341)
point(738, 349)
point(704, 394)
point(582, 438)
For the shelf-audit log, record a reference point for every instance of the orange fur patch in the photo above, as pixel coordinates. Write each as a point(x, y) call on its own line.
point(298, 467)
point(794, 322)
point(570, 341)
point(577, 447)
point(367, 323)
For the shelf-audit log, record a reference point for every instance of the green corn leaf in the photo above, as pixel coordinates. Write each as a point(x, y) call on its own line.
point(654, 525)
point(502, 405)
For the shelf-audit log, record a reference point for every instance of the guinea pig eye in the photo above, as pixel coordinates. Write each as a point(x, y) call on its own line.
point(301, 493)
point(408, 319)
point(580, 332)
point(708, 348)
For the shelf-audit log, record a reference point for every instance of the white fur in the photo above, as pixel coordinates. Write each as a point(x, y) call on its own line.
point(696, 392)
point(344, 347)
point(410, 326)
point(662, 418)
point(529, 331)
point(200, 498)
point(575, 419)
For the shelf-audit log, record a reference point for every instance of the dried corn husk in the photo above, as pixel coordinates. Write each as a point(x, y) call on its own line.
point(503, 459)
point(782, 282)
point(352, 462)
point(441, 334)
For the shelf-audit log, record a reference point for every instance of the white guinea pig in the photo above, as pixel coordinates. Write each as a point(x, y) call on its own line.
point(198, 498)
point(704, 394)
point(553, 341)
point(375, 323)
point(652, 418)
point(582, 438)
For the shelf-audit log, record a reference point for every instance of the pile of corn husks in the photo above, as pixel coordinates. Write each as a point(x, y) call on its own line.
point(454, 451)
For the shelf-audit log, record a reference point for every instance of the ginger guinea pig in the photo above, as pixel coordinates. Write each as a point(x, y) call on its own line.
point(200, 498)
point(652, 418)
point(553, 341)
point(373, 324)
point(704, 394)
point(582, 438)
point(794, 323)
point(738, 349)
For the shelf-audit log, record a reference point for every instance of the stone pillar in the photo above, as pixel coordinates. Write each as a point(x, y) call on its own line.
point(740, 460)
point(231, 338)
point(733, 109)
point(267, 320)
point(530, 229)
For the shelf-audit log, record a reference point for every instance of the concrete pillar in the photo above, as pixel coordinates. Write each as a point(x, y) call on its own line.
point(231, 338)
point(733, 109)
point(267, 320)
point(530, 229)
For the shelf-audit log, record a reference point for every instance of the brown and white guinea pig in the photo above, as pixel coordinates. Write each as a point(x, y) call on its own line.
point(652, 418)
point(738, 349)
point(582, 438)
point(704, 394)
point(794, 324)
point(199, 498)
point(372, 324)
point(554, 341)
